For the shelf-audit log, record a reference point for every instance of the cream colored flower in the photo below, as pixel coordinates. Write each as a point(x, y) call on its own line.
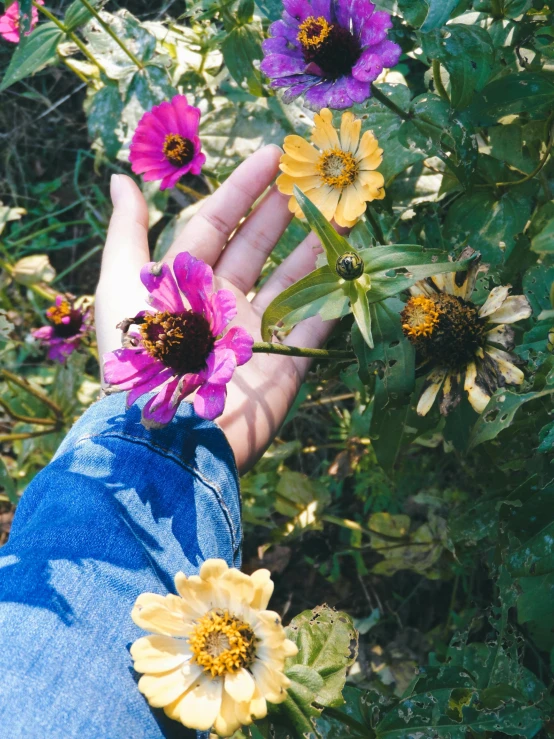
point(454, 337)
point(337, 173)
point(216, 656)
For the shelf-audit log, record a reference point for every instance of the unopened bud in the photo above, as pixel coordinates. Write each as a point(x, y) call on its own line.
point(33, 269)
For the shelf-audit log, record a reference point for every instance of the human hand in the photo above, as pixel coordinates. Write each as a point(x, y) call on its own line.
point(263, 390)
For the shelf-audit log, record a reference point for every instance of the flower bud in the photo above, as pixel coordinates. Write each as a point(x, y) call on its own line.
point(349, 266)
point(33, 269)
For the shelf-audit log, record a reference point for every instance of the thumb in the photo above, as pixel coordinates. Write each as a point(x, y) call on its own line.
point(120, 293)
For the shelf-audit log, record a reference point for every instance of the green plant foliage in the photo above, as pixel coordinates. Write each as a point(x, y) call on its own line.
point(33, 53)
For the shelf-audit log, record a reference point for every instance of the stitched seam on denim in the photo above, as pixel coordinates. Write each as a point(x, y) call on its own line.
point(174, 458)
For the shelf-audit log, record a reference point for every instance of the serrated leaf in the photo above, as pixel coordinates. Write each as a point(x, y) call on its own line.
point(334, 244)
point(33, 53)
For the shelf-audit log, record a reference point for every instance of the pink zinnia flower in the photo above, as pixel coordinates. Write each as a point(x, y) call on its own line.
point(68, 325)
point(177, 347)
point(166, 145)
point(9, 22)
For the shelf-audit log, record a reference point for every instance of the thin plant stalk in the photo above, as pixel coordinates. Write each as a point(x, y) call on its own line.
point(112, 33)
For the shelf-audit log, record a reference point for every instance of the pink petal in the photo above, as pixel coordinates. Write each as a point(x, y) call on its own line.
point(239, 341)
point(160, 283)
point(146, 386)
point(195, 279)
point(209, 401)
point(124, 368)
point(188, 117)
point(45, 333)
point(166, 113)
point(197, 163)
point(60, 350)
point(223, 307)
point(163, 406)
point(221, 365)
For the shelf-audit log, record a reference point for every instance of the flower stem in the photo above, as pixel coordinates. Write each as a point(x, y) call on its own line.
point(387, 102)
point(76, 40)
point(439, 87)
point(190, 191)
point(376, 226)
point(264, 347)
point(112, 33)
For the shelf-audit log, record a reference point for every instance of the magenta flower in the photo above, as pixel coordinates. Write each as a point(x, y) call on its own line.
point(68, 325)
point(166, 145)
point(9, 22)
point(329, 50)
point(179, 349)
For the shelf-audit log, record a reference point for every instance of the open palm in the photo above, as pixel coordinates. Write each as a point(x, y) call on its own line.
point(261, 391)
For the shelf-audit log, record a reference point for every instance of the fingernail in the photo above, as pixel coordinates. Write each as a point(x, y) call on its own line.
point(115, 188)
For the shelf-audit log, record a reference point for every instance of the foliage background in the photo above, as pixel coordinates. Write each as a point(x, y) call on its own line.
point(435, 536)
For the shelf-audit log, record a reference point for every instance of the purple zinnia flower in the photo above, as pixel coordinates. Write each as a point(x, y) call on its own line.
point(165, 145)
point(178, 348)
point(68, 325)
point(331, 50)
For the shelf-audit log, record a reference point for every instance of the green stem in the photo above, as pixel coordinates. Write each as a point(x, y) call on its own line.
point(439, 87)
point(376, 226)
point(112, 33)
point(190, 191)
point(378, 95)
point(20, 382)
point(26, 419)
point(76, 40)
point(540, 165)
point(52, 227)
point(264, 347)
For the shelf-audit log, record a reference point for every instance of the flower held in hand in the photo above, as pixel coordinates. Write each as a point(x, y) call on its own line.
point(329, 50)
point(178, 348)
point(165, 145)
point(336, 173)
point(68, 325)
point(216, 656)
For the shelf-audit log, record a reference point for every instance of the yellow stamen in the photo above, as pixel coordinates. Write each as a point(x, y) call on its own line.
point(420, 316)
point(221, 643)
point(178, 150)
point(56, 313)
point(313, 31)
point(337, 168)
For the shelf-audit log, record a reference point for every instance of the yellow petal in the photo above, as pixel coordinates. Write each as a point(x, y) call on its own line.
point(271, 683)
point(513, 309)
point(240, 686)
point(354, 202)
point(227, 721)
point(368, 145)
point(325, 199)
point(157, 653)
point(285, 183)
point(161, 690)
point(340, 218)
point(263, 588)
point(431, 388)
point(297, 168)
point(295, 208)
point(212, 569)
point(477, 396)
point(299, 148)
point(350, 127)
point(200, 706)
point(511, 374)
point(372, 161)
point(372, 184)
point(502, 334)
point(324, 134)
point(239, 586)
point(252, 711)
point(289, 648)
point(166, 618)
point(495, 299)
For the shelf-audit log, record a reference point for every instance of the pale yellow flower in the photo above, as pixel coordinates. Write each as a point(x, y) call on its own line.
point(336, 172)
point(216, 656)
point(456, 340)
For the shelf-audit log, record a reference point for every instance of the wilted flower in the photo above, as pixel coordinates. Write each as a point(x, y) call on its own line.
point(33, 269)
point(178, 347)
point(453, 336)
point(69, 323)
point(217, 655)
point(337, 174)
point(165, 145)
point(9, 22)
point(331, 50)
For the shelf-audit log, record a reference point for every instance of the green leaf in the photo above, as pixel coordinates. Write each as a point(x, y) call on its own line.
point(271, 9)
point(428, 14)
point(541, 230)
point(33, 53)
point(334, 244)
point(467, 53)
point(525, 92)
point(305, 298)
point(7, 484)
point(77, 15)
point(297, 712)
point(241, 48)
point(104, 118)
point(360, 309)
point(352, 720)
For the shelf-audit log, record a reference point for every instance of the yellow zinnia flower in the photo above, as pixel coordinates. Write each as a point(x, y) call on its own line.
point(454, 337)
point(336, 173)
point(216, 655)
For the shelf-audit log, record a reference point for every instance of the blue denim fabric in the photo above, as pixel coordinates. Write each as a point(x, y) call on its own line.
point(117, 513)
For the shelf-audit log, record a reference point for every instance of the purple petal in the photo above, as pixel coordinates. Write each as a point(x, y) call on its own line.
point(281, 65)
point(322, 7)
point(44, 333)
point(279, 45)
point(338, 95)
point(195, 279)
point(124, 368)
point(221, 364)
point(280, 28)
point(223, 308)
point(298, 9)
point(146, 386)
point(368, 67)
point(358, 91)
point(160, 283)
point(293, 92)
point(388, 51)
point(318, 96)
point(239, 341)
point(209, 401)
point(374, 29)
point(163, 406)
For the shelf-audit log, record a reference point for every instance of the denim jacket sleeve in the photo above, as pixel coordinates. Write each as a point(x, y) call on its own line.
point(118, 512)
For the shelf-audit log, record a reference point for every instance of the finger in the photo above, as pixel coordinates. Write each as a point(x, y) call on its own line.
point(312, 333)
point(293, 268)
point(245, 255)
point(208, 231)
point(120, 293)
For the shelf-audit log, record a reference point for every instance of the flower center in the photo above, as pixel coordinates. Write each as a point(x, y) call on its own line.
point(65, 320)
point(222, 643)
point(332, 48)
point(443, 328)
point(178, 150)
point(337, 168)
point(183, 341)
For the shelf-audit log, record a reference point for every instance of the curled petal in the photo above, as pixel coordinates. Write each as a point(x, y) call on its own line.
point(223, 305)
point(158, 279)
point(195, 279)
point(239, 341)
